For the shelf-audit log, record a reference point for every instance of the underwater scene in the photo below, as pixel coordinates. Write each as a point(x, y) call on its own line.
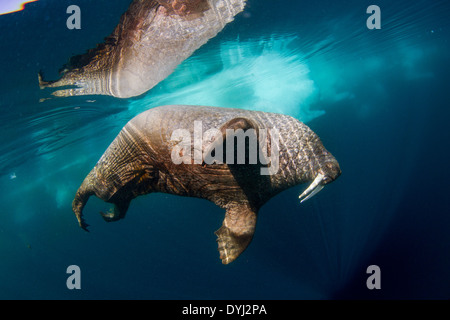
point(369, 78)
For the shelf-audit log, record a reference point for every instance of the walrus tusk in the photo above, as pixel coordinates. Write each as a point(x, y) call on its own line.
point(313, 189)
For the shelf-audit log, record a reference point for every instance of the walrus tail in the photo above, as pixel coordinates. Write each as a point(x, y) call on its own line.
point(236, 232)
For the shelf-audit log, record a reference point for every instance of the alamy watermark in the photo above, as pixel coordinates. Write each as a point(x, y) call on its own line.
point(74, 20)
point(374, 21)
point(217, 147)
point(374, 280)
point(74, 280)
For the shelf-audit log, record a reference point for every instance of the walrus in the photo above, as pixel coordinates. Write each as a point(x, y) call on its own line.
point(152, 38)
point(146, 157)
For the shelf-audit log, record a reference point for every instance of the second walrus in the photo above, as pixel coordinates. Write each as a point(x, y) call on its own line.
point(152, 38)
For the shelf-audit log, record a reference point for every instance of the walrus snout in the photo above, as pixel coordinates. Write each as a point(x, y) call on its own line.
point(331, 171)
point(328, 172)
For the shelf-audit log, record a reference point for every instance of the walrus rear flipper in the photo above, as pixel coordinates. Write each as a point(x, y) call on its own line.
point(78, 204)
point(83, 194)
point(236, 232)
point(239, 224)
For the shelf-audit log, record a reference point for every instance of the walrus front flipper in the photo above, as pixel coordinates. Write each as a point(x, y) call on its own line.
point(236, 232)
point(234, 138)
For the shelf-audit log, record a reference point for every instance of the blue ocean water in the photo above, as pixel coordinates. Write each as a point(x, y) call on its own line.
point(377, 98)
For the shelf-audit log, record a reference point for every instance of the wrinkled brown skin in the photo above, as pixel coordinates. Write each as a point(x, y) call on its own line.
point(139, 162)
point(151, 39)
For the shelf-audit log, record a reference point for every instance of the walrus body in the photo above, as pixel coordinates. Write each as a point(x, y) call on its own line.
point(151, 39)
point(141, 160)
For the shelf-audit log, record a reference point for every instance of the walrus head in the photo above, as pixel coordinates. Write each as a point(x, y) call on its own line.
point(328, 170)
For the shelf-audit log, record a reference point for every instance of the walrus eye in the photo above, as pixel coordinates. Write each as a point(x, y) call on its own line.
point(313, 188)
